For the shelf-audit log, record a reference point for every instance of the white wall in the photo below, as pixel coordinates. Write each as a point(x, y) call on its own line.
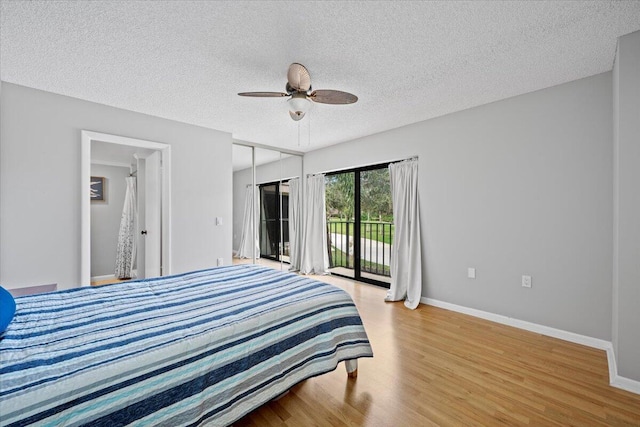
point(290, 167)
point(105, 219)
point(40, 185)
point(518, 187)
point(626, 255)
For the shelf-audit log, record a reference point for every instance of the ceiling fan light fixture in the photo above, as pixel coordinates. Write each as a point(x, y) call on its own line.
point(299, 105)
point(297, 115)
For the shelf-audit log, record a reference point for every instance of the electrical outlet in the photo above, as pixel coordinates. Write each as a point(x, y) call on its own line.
point(220, 261)
point(471, 273)
point(526, 281)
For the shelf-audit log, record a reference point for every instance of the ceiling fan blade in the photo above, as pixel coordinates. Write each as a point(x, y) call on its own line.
point(264, 94)
point(299, 77)
point(328, 96)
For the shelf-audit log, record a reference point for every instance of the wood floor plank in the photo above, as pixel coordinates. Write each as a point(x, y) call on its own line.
point(434, 367)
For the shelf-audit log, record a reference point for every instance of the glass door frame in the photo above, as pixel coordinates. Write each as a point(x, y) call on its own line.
point(357, 227)
point(280, 220)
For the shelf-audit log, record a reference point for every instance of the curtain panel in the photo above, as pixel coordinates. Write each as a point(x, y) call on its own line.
point(314, 253)
point(249, 230)
point(406, 254)
point(295, 229)
point(126, 249)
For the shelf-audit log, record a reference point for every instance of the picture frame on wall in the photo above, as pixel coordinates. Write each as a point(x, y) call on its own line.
point(97, 189)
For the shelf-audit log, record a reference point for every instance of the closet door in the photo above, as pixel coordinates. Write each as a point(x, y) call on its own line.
point(270, 171)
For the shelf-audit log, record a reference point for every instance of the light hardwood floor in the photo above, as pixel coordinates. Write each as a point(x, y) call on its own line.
point(108, 281)
point(434, 367)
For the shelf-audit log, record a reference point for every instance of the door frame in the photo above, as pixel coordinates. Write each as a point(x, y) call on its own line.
point(87, 137)
point(357, 235)
point(280, 210)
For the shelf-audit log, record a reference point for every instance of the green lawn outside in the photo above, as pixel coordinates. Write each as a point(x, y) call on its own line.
point(372, 230)
point(340, 259)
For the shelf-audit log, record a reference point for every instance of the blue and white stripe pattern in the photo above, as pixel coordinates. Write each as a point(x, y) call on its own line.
point(201, 348)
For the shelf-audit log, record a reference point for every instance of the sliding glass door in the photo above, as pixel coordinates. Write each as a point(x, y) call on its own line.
point(360, 223)
point(376, 224)
point(274, 221)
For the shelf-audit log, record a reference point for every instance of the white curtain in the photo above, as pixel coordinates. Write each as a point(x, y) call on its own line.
point(314, 255)
point(126, 250)
point(295, 229)
point(249, 233)
point(406, 255)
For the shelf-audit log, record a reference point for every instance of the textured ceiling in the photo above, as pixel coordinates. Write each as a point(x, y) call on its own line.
point(406, 61)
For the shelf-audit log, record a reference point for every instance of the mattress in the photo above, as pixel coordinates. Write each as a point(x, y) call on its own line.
point(200, 348)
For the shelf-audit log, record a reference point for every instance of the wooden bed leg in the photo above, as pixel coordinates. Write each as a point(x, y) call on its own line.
point(352, 368)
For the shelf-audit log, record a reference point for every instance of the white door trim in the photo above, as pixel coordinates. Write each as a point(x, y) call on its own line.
point(85, 201)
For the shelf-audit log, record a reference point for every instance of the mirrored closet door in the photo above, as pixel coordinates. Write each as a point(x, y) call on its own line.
point(263, 205)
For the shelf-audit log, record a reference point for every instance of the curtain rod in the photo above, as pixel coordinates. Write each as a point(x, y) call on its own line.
point(363, 166)
point(404, 160)
point(275, 182)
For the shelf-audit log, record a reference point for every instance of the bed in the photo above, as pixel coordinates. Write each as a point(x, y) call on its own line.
point(200, 348)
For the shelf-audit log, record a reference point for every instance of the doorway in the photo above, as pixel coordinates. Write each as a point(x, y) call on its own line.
point(360, 223)
point(154, 170)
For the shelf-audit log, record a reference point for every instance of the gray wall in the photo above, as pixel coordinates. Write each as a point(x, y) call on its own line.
point(40, 185)
point(105, 219)
point(290, 167)
point(626, 255)
point(518, 187)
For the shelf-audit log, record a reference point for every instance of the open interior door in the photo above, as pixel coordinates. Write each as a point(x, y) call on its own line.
point(149, 216)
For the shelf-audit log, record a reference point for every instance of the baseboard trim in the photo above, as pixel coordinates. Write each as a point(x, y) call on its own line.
point(627, 384)
point(521, 324)
point(611, 363)
point(614, 379)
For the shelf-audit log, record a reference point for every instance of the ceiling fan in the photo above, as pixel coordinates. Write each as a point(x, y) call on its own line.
point(299, 89)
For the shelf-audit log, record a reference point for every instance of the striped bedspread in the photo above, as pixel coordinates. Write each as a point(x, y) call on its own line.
point(201, 348)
